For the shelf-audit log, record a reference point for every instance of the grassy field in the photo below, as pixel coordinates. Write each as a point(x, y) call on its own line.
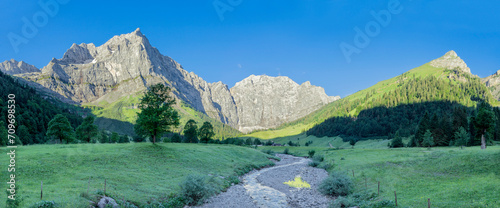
point(135, 171)
point(449, 176)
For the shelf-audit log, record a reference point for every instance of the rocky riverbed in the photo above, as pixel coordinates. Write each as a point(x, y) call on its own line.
point(267, 188)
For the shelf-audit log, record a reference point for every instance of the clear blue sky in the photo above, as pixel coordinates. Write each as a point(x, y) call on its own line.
point(296, 38)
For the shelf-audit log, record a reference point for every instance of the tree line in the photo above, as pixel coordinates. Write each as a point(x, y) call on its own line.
point(33, 112)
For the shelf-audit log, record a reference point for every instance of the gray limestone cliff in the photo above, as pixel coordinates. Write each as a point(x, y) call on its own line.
point(265, 102)
point(13, 67)
point(126, 64)
point(493, 83)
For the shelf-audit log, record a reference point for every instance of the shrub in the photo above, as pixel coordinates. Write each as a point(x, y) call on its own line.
point(286, 151)
point(318, 158)
point(139, 139)
point(311, 153)
point(362, 199)
point(233, 179)
point(314, 164)
point(44, 204)
point(269, 152)
point(176, 138)
point(336, 184)
point(194, 189)
point(123, 139)
point(397, 142)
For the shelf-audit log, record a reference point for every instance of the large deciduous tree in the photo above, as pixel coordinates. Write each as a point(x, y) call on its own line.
point(60, 128)
point(87, 129)
point(157, 113)
point(191, 132)
point(206, 132)
point(484, 121)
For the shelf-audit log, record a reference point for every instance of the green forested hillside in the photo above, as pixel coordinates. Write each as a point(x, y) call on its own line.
point(33, 112)
point(424, 84)
point(401, 109)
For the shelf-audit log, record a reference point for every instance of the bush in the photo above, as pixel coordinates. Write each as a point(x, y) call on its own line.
point(336, 184)
point(194, 189)
point(176, 138)
point(269, 152)
point(397, 142)
point(311, 153)
point(124, 139)
point(362, 199)
point(139, 139)
point(286, 151)
point(318, 158)
point(314, 163)
point(44, 204)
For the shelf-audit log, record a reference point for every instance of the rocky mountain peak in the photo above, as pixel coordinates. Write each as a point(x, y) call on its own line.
point(265, 102)
point(126, 64)
point(451, 61)
point(13, 67)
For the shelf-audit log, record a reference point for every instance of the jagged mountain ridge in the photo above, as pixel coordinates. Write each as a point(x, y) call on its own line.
point(127, 64)
point(12, 67)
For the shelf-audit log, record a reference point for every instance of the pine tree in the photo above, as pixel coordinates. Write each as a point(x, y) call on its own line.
point(114, 137)
point(461, 137)
point(428, 140)
point(24, 135)
point(484, 121)
point(423, 126)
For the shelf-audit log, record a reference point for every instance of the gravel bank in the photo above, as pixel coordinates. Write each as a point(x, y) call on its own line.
point(266, 188)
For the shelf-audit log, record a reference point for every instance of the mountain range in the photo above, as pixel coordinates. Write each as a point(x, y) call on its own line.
point(111, 78)
point(446, 79)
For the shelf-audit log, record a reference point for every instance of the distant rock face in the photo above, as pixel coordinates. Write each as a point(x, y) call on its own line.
point(493, 83)
point(14, 67)
point(127, 64)
point(451, 61)
point(265, 102)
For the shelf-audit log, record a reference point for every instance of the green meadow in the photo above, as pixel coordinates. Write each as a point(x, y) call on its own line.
point(449, 176)
point(136, 172)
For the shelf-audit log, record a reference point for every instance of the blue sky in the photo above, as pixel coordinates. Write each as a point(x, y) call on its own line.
point(296, 38)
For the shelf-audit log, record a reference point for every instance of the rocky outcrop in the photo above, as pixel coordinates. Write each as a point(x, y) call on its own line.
point(451, 61)
point(493, 83)
point(126, 64)
point(265, 102)
point(13, 67)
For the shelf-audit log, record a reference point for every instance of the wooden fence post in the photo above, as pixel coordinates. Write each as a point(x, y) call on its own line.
point(429, 202)
point(378, 189)
point(366, 185)
point(41, 191)
point(396, 198)
point(353, 173)
point(88, 187)
point(104, 187)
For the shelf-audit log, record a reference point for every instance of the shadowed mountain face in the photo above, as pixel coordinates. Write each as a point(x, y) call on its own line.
point(126, 64)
